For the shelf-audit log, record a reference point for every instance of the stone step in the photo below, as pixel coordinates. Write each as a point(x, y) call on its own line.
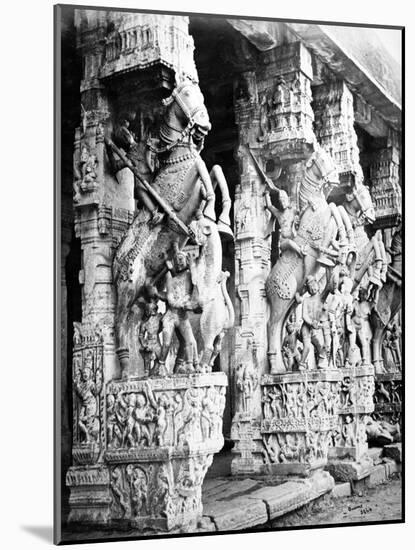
point(243, 504)
point(228, 490)
point(239, 513)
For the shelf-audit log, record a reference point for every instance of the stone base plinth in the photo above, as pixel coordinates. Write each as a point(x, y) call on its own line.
point(355, 405)
point(235, 505)
point(161, 435)
point(386, 426)
point(247, 453)
point(349, 470)
point(299, 416)
point(90, 497)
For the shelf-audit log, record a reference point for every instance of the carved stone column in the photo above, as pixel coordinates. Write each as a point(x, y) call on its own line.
point(385, 183)
point(252, 265)
point(103, 209)
point(334, 127)
point(275, 120)
point(141, 446)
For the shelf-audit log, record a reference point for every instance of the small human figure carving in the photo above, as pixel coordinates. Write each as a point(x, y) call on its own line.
point(332, 310)
point(263, 118)
point(161, 406)
point(114, 433)
point(347, 392)
point(291, 449)
point(247, 382)
point(243, 215)
point(311, 329)
point(290, 351)
point(323, 392)
point(138, 483)
point(348, 431)
point(286, 216)
point(136, 419)
point(85, 172)
point(361, 319)
point(312, 444)
point(191, 427)
point(120, 495)
point(353, 354)
point(395, 345)
point(140, 155)
point(272, 448)
point(290, 400)
point(150, 347)
point(88, 391)
point(181, 296)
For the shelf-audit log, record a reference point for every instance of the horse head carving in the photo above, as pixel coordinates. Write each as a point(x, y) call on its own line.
point(358, 204)
point(186, 115)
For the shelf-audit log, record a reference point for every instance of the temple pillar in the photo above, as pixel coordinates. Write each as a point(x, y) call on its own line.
point(141, 445)
point(386, 192)
point(273, 428)
point(334, 127)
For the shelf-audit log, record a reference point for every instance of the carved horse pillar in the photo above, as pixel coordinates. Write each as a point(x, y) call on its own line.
point(142, 445)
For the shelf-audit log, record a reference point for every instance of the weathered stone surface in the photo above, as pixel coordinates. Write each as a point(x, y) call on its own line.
point(341, 490)
point(229, 490)
point(379, 474)
point(291, 495)
point(239, 513)
point(147, 411)
point(347, 470)
point(205, 525)
point(375, 453)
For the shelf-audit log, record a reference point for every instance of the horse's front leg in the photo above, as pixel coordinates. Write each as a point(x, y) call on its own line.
point(209, 210)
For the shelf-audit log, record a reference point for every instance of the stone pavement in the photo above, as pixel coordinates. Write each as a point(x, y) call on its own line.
point(230, 504)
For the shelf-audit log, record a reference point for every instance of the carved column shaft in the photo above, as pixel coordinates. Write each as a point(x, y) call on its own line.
point(275, 120)
point(334, 127)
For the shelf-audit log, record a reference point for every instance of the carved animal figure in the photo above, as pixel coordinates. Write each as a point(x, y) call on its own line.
point(327, 234)
point(184, 186)
point(319, 224)
point(217, 309)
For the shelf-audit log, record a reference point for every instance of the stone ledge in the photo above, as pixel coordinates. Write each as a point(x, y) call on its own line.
point(291, 495)
point(231, 510)
point(237, 514)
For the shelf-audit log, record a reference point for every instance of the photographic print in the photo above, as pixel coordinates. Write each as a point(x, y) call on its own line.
point(229, 227)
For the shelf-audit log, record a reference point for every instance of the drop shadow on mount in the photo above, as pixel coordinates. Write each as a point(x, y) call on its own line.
point(43, 532)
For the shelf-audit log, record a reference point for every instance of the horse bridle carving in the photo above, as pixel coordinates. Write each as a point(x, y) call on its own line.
point(176, 97)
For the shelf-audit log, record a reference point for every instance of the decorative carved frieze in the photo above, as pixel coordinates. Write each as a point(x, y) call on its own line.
point(355, 404)
point(334, 128)
point(161, 435)
point(141, 40)
point(140, 414)
point(88, 392)
point(385, 185)
point(299, 416)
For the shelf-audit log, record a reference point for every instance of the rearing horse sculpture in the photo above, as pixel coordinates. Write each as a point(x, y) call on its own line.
point(181, 186)
point(319, 224)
